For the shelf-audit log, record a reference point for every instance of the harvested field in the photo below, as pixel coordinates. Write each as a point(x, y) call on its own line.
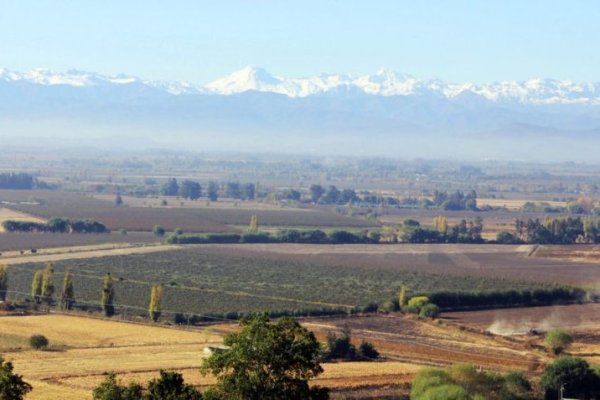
point(580, 253)
point(89, 347)
point(85, 348)
point(230, 278)
point(408, 339)
point(193, 219)
point(38, 241)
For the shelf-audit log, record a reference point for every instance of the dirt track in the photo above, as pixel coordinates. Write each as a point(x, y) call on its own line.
point(74, 253)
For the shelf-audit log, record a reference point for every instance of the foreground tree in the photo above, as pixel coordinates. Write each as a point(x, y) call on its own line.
point(170, 386)
point(110, 389)
point(108, 296)
point(574, 376)
point(266, 360)
point(156, 296)
point(67, 296)
point(3, 282)
point(12, 386)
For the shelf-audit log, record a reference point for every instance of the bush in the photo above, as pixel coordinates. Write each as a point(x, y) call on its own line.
point(38, 342)
point(367, 351)
point(429, 311)
point(557, 340)
point(158, 231)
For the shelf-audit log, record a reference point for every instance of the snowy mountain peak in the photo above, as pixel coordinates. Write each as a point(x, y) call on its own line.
point(247, 78)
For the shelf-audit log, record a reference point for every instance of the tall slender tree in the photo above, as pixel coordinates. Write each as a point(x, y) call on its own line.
point(108, 296)
point(3, 282)
point(36, 287)
point(402, 297)
point(48, 283)
point(67, 296)
point(156, 296)
point(253, 227)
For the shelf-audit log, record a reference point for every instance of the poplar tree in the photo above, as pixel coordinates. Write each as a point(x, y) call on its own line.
point(67, 297)
point(156, 296)
point(3, 282)
point(253, 227)
point(108, 296)
point(48, 284)
point(36, 287)
point(402, 297)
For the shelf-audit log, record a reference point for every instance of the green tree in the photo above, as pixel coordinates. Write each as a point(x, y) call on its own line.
point(156, 296)
point(573, 375)
point(557, 340)
point(190, 190)
point(3, 282)
point(108, 296)
point(67, 296)
point(38, 342)
point(48, 283)
point(170, 188)
point(158, 231)
point(110, 389)
point(266, 360)
point(12, 386)
point(465, 382)
point(213, 191)
point(316, 192)
point(171, 386)
point(36, 287)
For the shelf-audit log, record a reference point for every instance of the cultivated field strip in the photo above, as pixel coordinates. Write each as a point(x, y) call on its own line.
point(229, 278)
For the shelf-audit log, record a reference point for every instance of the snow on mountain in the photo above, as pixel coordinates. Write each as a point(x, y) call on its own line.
point(382, 83)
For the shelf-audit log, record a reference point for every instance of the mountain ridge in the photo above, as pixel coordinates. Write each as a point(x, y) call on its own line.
point(539, 91)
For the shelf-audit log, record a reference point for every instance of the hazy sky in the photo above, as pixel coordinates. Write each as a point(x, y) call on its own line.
point(198, 41)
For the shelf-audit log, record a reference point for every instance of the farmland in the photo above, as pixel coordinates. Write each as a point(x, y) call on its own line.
point(230, 278)
point(47, 204)
point(82, 346)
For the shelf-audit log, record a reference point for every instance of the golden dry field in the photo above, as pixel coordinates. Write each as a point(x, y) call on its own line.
point(83, 349)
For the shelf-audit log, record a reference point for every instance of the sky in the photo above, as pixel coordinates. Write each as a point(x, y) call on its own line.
point(198, 41)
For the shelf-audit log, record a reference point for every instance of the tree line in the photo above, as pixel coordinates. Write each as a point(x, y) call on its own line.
point(561, 230)
point(189, 189)
point(56, 225)
point(17, 180)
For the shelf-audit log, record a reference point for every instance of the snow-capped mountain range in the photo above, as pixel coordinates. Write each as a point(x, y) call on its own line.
point(385, 112)
point(382, 83)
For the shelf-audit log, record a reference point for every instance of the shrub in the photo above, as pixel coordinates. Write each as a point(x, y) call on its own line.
point(557, 340)
point(429, 311)
point(38, 342)
point(367, 351)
